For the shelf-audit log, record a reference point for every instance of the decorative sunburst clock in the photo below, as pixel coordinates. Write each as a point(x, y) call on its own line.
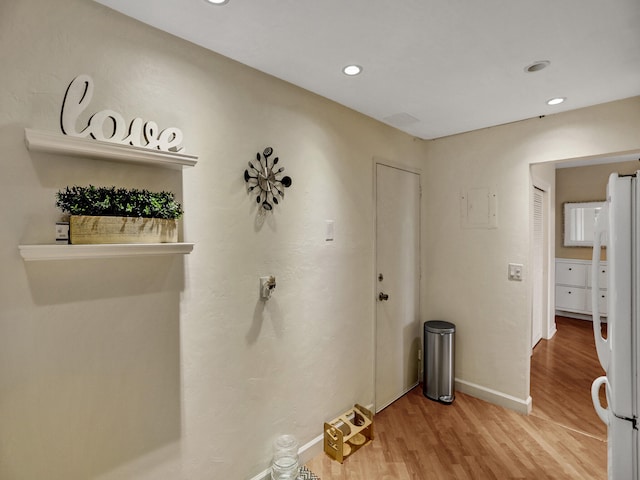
point(265, 180)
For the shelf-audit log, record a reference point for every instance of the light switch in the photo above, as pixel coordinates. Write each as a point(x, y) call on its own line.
point(329, 231)
point(515, 271)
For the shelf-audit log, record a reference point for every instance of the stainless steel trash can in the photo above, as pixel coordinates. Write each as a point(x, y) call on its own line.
point(439, 361)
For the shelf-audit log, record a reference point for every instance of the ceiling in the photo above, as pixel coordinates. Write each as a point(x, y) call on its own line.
point(431, 68)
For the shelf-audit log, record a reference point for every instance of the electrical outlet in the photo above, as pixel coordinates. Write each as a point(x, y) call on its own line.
point(515, 272)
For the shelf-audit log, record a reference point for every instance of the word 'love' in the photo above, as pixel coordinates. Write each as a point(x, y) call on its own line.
point(110, 126)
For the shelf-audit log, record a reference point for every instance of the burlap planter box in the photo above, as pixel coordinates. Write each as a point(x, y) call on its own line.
point(85, 229)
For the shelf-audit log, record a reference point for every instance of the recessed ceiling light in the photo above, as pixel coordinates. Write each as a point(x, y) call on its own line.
point(217, 2)
point(537, 66)
point(352, 70)
point(556, 101)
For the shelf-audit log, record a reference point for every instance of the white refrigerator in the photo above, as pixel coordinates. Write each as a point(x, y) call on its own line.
point(619, 220)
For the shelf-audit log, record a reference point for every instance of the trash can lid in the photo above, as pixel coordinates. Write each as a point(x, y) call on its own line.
point(439, 326)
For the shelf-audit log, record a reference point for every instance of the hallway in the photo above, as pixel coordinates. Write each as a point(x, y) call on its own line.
point(419, 439)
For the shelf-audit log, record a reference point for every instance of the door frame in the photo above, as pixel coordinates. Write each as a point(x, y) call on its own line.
point(548, 321)
point(540, 252)
point(374, 280)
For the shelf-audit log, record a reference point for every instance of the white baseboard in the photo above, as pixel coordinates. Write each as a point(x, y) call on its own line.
point(394, 400)
point(305, 453)
point(580, 316)
point(493, 396)
point(552, 332)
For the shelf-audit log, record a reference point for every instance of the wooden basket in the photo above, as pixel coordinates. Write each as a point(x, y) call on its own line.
point(85, 229)
point(347, 433)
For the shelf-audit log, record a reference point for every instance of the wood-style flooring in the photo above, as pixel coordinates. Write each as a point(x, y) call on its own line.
point(419, 439)
point(562, 371)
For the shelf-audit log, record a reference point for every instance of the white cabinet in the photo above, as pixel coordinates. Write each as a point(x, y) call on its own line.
point(574, 287)
point(571, 273)
point(571, 298)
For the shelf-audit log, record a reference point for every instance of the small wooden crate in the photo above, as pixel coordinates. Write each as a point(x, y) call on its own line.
point(347, 433)
point(86, 229)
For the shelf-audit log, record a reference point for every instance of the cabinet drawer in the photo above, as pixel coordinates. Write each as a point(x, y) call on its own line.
point(602, 301)
point(602, 277)
point(571, 274)
point(571, 298)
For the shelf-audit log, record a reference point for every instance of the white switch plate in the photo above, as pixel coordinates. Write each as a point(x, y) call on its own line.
point(515, 271)
point(330, 231)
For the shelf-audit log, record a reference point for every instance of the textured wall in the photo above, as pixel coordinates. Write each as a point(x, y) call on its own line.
point(168, 368)
point(494, 320)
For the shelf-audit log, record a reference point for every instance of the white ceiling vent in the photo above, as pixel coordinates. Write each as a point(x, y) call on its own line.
point(401, 119)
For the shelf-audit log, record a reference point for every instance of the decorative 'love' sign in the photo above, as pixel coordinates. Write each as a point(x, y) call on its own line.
point(110, 126)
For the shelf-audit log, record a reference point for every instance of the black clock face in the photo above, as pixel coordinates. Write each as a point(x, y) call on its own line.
point(265, 178)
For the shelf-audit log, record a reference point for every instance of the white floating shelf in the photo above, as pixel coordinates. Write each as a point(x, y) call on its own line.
point(71, 252)
point(89, 148)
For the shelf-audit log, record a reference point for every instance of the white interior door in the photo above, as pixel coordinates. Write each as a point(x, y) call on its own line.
point(398, 282)
point(539, 299)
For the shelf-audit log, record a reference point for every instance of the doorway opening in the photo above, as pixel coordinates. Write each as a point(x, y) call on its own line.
point(567, 341)
point(540, 320)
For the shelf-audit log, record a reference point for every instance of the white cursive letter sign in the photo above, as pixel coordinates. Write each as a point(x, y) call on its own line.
point(110, 126)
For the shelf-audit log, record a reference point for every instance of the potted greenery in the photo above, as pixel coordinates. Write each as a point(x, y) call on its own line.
point(119, 215)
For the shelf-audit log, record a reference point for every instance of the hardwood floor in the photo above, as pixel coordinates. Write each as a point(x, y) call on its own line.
point(561, 374)
point(419, 439)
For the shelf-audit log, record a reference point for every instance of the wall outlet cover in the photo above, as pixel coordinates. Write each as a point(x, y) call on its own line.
point(515, 271)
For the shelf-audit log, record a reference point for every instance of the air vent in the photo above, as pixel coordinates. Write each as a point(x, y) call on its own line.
point(401, 119)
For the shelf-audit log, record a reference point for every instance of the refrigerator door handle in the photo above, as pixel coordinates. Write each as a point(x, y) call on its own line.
point(603, 346)
point(603, 413)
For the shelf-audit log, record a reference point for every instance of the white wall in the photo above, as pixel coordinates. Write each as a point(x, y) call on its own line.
point(171, 368)
point(493, 314)
point(167, 368)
